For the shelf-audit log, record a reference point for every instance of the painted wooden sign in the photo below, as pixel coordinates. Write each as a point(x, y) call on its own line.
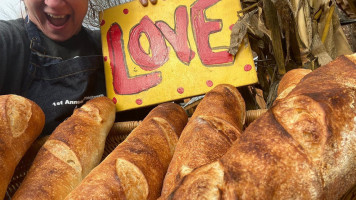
point(171, 50)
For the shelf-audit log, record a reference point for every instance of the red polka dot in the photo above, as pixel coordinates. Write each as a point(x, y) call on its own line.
point(209, 83)
point(126, 11)
point(180, 90)
point(139, 101)
point(102, 22)
point(232, 25)
point(247, 67)
point(114, 100)
point(105, 58)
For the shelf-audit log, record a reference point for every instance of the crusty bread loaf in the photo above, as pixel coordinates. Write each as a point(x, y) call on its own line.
point(304, 147)
point(290, 80)
point(21, 122)
point(70, 153)
point(215, 125)
point(135, 168)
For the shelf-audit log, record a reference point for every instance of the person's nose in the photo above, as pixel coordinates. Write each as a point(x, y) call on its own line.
point(55, 3)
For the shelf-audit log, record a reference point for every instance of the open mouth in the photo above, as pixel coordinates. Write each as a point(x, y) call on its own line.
point(57, 20)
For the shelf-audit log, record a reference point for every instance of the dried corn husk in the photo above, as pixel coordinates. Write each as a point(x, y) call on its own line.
point(289, 34)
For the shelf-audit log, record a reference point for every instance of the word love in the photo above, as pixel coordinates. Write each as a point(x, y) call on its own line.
point(157, 34)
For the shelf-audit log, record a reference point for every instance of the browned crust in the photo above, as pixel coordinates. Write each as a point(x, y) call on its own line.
point(215, 125)
point(292, 78)
point(73, 149)
point(148, 148)
point(302, 148)
point(26, 118)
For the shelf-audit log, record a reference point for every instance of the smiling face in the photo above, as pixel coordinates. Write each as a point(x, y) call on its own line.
point(57, 19)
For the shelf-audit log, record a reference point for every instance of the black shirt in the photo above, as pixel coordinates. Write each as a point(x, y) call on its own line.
point(15, 51)
point(14, 55)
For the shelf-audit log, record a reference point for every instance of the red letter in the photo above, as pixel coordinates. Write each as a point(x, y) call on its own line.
point(202, 30)
point(178, 38)
point(123, 83)
point(157, 45)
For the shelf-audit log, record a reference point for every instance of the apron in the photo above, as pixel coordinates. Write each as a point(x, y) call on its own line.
point(59, 86)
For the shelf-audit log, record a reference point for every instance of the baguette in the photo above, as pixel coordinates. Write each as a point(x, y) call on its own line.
point(216, 123)
point(302, 148)
point(21, 122)
point(135, 168)
point(290, 80)
point(70, 153)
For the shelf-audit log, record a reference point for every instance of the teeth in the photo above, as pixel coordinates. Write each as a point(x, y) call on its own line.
point(56, 16)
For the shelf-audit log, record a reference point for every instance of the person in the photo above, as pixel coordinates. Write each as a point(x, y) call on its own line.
point(50, 58)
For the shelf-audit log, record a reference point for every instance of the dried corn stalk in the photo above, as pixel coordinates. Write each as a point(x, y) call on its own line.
point(288, 34)
point(348, 6)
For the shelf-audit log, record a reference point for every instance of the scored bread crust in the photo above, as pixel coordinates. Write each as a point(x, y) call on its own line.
point(291, 79)
point(302, 148)
point(73, 149)
point(216, 123)
point(21, 122)
point(135, 168)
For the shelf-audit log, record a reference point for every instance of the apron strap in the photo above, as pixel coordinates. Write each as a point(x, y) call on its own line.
point(34, 37)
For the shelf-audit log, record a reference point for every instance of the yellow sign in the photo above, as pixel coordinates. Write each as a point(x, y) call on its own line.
point(171, 50)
